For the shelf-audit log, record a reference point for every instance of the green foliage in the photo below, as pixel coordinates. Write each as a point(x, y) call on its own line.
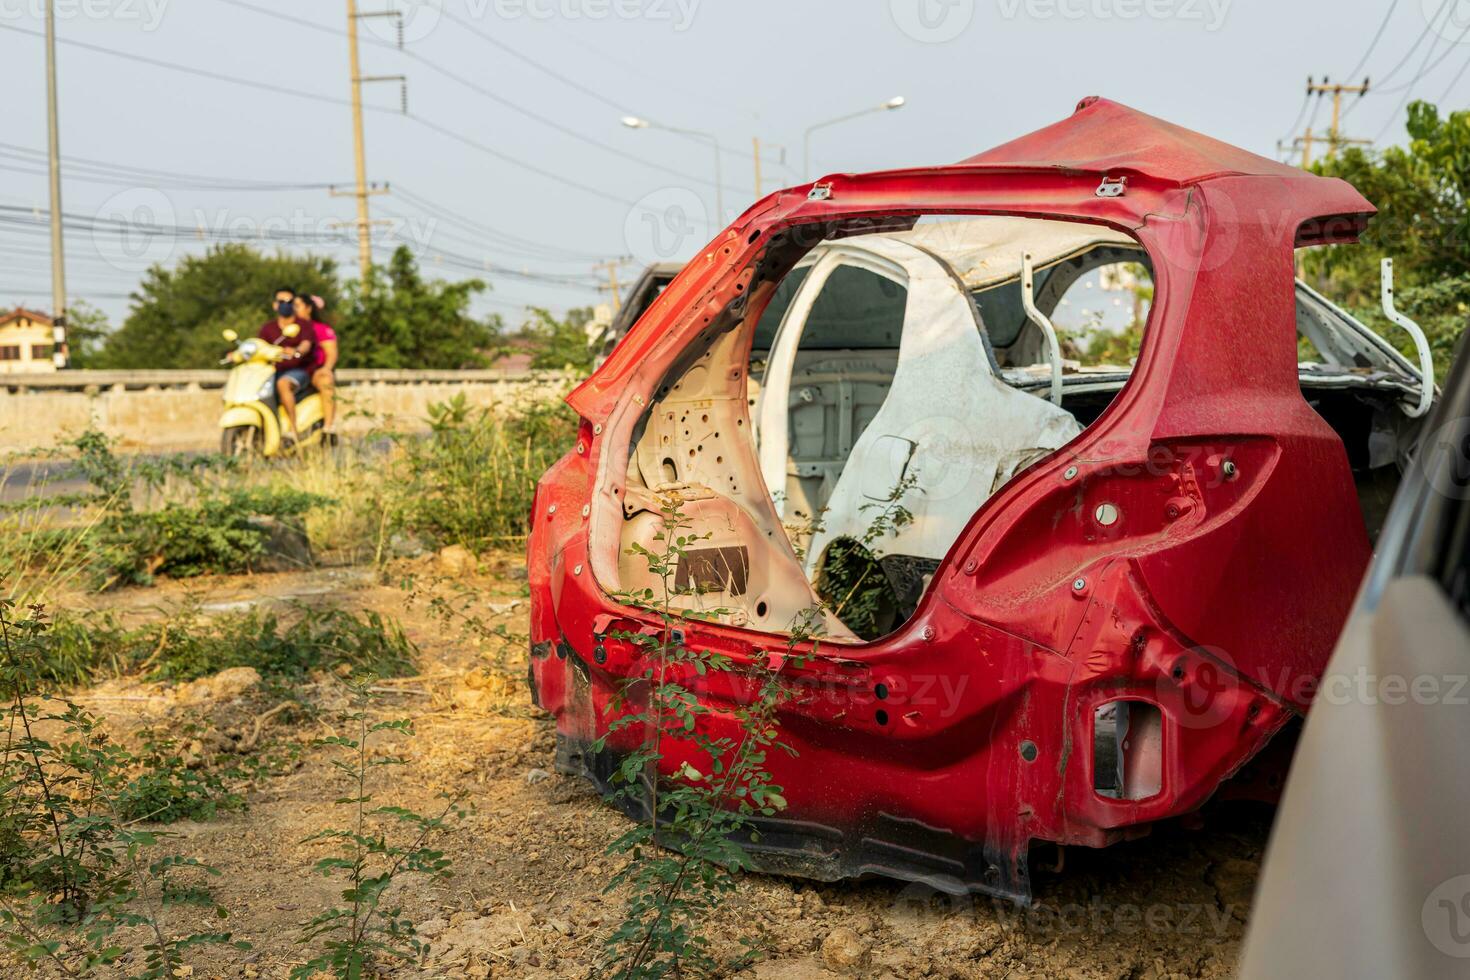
point(472, 480)
point(178, 314)
point(189, 645)
point(220, 532)
point(212, 521)
point(406, 321)
point(87, 331)
point(704, 810)
point(367, 930)
point(1422, 192)
point(559, 344)
point(73, 873)
point(851, 580)
point(170, 786)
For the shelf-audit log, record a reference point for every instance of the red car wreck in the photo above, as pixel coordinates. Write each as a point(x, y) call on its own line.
point(1117, 581)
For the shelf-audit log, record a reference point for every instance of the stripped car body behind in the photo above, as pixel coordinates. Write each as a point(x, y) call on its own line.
point(1162, 588)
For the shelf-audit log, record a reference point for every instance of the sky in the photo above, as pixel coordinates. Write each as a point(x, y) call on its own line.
point(513, 164)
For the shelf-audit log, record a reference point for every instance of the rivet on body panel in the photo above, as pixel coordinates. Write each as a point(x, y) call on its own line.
point(1106, 514)
point(577, 570)
point(581, 449)
point(1228, 468)
point(927, 633)
point(551, 509)
point(1079, 586)
point(597, 429)
point(1069, 473)
point(586, 509)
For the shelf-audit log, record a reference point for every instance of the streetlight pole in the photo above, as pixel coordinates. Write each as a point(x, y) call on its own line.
point(638, 122)
point(58, 261)
point(897, 102)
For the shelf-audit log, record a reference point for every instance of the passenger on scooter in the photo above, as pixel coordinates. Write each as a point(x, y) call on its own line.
point(309, 309)
point(296, 336)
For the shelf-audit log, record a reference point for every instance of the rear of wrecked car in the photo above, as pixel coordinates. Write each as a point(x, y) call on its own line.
point(1118, 630)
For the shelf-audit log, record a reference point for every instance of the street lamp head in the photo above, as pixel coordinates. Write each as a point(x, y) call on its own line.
point(897, 102)
point(633, 122)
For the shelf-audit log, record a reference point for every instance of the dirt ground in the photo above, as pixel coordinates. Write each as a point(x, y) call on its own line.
point(526, 900)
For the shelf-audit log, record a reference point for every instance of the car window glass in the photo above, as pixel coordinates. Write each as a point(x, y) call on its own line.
point(765, 328)
point(856, 310)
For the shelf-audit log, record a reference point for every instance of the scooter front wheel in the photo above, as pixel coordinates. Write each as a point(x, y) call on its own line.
point(241, 440)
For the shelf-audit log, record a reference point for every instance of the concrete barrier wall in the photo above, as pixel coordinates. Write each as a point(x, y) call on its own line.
point(179, 410)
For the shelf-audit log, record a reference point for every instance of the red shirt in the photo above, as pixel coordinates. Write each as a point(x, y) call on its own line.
point(324, 333)
point(271, 334)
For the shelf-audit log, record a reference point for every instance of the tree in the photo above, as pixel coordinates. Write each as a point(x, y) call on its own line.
point(1422, 192)
point(87, 331)
point(559, 344)
point(405, 321)
point(178, 314)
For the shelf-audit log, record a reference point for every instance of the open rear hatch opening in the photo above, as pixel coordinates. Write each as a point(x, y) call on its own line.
point(836, 428)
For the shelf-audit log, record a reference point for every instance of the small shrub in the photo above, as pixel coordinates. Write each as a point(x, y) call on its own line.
point(851, 581)
point(75, 878)
point(364, 932)
point(202, 517)
point(705, 811)
point(218, 533)
point(471, 481)
point(189, 645)
point(170, 787)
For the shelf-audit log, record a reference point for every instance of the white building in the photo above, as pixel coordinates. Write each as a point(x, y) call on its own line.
point(25, 342)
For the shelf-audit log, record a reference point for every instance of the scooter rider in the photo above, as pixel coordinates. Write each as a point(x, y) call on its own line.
point(299, 338)
point(311, 308)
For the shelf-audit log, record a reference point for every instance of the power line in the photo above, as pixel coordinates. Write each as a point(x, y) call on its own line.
point(551, 252)
point(132, 180)
point(331, 100)
point(1425, 70)
point(1373, 43)
point(74, 163)
point(459, 237)
point(1408, 89)
point(502, 46)
point(493, 96)
point(525, 59)
point(126, 174)
point(1292, 129)
point(1429, 26)
point(25, 218)
point(1454, 81)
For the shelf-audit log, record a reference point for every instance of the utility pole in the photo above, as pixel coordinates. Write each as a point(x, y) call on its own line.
point(610, 267)
point(1337, 91)
point(58, 260)
point(1303, 143)
point(359, 151)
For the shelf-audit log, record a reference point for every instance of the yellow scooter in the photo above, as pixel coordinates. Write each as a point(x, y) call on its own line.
point(253, 420)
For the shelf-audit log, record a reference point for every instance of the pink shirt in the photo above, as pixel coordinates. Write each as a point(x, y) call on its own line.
point(323, 332)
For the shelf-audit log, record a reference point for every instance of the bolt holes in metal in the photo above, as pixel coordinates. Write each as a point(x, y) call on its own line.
point(1106, 514)
point(1029, 751)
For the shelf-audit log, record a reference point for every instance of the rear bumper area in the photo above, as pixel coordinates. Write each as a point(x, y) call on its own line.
point(887, 846)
